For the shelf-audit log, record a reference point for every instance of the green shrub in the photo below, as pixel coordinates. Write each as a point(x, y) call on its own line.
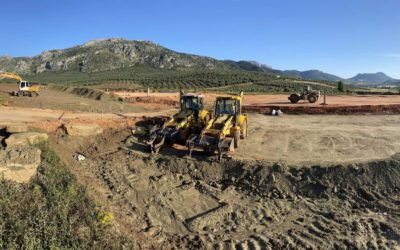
point(52, 211)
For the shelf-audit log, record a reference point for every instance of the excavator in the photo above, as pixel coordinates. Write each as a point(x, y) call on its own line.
point(25, 88)
point(191, 118)
point(224, 131)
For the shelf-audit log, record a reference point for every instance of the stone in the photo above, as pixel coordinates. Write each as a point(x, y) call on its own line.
point(83, 130)
point(16, 128)
point(19, 163)
point(26, 138)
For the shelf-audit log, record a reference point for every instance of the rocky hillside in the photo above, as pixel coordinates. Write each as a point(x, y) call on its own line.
point(108, 54)
point(373, 78)
point(312, 75)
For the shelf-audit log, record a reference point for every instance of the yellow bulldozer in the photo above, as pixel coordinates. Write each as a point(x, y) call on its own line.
point(25, 88)
point(224, 131)
point(191, 118)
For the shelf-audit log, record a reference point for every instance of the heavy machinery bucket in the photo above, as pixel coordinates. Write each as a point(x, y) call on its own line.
point(225, 145)
point(156, 144)
point(155, 139)
point(159, 136)
point(210, 144)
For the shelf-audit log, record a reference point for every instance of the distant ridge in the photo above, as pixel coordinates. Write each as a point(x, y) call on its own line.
point(107, 54)
point(371, 78)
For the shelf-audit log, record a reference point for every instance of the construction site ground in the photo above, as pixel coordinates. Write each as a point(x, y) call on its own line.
point(280, 99)
point(297, 181)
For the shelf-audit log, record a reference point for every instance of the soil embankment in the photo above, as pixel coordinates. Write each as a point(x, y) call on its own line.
point(325, 110)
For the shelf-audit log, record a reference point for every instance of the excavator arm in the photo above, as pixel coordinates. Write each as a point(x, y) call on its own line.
point(10, 75)
point(24, 87)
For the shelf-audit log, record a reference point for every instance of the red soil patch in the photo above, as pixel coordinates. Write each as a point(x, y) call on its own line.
point(319, 110)
point(117, 123)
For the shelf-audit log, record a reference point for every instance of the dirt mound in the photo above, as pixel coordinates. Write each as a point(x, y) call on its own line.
point(186, 203)
point(95, 94)
point(153, 100)
point(252, 204)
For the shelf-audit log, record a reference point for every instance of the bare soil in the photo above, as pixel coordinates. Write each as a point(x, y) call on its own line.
point(297, 181)
point(34, 116)
point(180, 203)
point(353, 104)
point(279, 99)
point(74, 100)
point(320, 139)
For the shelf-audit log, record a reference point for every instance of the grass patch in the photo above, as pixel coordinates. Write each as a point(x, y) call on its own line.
point(53, 211)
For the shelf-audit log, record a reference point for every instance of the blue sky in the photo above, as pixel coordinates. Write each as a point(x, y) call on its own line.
point(342, 37)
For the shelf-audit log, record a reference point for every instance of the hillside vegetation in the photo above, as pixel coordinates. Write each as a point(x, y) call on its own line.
point(141, 78)
point(142, 64)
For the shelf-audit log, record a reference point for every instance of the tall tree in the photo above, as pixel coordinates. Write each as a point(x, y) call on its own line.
point(340, 86)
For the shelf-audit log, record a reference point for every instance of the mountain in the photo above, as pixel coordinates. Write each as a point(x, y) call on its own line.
point(115, 53)
point(370, 79)
point(109, 54)
point(255, 66)
point(312, 75)
point(105, 55)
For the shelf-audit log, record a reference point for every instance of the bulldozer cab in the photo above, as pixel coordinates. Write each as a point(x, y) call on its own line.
point(227, 106)
point(192, 102)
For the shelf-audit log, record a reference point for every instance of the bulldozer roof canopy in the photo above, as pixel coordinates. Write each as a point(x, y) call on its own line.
point(193, 95)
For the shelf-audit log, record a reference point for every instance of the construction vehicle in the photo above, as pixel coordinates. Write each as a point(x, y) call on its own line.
point(308, 94)
point(223, 132)
point(25, 88)
point(191, 118)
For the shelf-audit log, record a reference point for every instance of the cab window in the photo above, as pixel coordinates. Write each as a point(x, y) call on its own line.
point(190, 103)
point(226, 107)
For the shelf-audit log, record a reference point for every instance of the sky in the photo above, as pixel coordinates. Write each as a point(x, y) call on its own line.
point(342, 37)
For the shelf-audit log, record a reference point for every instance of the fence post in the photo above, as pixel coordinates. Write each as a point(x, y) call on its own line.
point(324, 103)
